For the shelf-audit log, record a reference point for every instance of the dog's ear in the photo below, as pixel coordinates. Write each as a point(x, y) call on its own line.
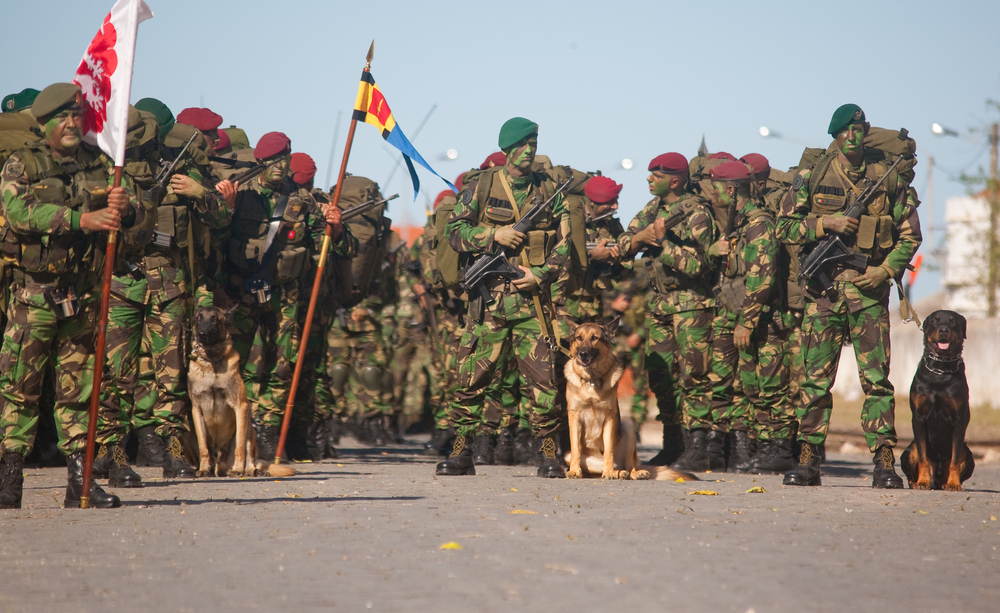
point(573, 328)
point(964, 326)
point(612, 326)
point(230, 313)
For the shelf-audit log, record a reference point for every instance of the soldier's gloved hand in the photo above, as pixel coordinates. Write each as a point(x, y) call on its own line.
point(184, 185)
point(873, 278)
point(719, 248)
point(228, 191)
point(528, 281)
point(840, 224)
point(634, 340)
point(508, 237)
point(741, 337)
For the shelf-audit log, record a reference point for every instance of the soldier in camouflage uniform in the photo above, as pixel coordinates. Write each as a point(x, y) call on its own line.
point(511, 325)
point(744, 316)
point(857, 306)
point(770, 371)
point(678, 348)
point(145, 381)
point(276, 229)
point(630, 341)
point(57, 196)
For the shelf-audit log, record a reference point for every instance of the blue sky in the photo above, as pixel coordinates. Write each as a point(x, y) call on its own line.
point(604, 80)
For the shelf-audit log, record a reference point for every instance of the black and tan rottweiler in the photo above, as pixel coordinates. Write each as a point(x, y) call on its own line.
point(938, 457)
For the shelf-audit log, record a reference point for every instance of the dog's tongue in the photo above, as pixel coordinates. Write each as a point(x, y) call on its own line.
point(943, 346)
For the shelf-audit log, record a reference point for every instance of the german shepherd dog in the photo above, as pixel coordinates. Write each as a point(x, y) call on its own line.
point(227, 444)
point(938, 457)
point(600, 442)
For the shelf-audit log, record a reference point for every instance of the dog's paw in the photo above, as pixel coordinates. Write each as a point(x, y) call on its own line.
point(921, 485)
point(235, 474)
point(202, 473)
point(953, 487)
point(614, 474)
point(639, 475)
point(574, 474)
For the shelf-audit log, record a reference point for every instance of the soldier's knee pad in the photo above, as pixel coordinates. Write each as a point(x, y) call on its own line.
point(388, 382)
point(371, 379)
point(338, 378)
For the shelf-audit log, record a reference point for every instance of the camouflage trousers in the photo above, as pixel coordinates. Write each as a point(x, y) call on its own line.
point(449, 342)
point(769, 374)
point(635, 361)
point(33, 339)
point(678, 355)
point(267, 340)
point(492, 355)
point(824, 330)
point(145, 380)
point(730, 407)
point(422, 387)
point(353, 375)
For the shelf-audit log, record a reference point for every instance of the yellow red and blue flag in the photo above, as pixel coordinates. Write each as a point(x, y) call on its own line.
point(372, 108)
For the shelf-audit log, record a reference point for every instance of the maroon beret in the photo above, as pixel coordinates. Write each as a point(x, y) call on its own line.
point(730, 171)
point(758, 162)
point(302, 167)
point(722, 155)
point(223, 140)
point(203, 119)
point(272, 144)
point(441, 196)
point(602, 190)
point(495, 159)
point(670, 163)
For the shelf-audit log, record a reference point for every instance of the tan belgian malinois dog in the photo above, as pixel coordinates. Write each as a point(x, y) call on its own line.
point(600, 442)
point(227, 444)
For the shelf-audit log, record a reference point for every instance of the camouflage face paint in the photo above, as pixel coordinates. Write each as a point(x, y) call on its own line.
point(523, 155)
point(851, 139)
point(62, 131)
point(276, 172)
point(659, 183)
point(722, 192)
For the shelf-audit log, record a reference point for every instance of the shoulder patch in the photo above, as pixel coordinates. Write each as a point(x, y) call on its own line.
point(798, 182)
point(465, 197)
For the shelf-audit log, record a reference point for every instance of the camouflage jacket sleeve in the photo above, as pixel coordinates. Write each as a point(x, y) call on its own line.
point(345, 245)
point(795, 227)
point(689, 257)
point(644, 218)
point(463, 231)
point(760, 255)
point(211, 209)
point(908, 240)
point(23, 211)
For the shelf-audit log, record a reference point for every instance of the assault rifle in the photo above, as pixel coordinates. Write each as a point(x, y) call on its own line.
point(600, 217)
point(253, 171)
point(158, 191)
point(830, 249)
point(592, 244)
point(364, 207)
point(495, 263)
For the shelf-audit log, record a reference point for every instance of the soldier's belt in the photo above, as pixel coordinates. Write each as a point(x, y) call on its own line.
point(42, 279)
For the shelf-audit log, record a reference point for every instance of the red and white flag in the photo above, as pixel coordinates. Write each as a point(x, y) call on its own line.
point(105, 76)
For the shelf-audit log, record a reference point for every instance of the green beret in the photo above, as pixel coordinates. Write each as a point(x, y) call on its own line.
point(20, 101)
point(845, 116)
point(163, 115)
point(516, 130)
point(54, 98)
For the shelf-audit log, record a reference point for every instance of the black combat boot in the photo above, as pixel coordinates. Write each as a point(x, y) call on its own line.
point(336, 429)
point(112, 463)
point(433, 446)
point(460, 461)
point(884, 476)
point(503, 453)
point(150, 447)
point(174, 465)
point(673, 445)
point(807, 472)
point(740, 450)
point(482, 449)
point(333, 427)
point(524, 448)
point(267, 442)
point(99, 499)
point(774, 458)
point(551, 467)
point(716, 450)
point(11, 480)
point(316, 437)
point(695, 456)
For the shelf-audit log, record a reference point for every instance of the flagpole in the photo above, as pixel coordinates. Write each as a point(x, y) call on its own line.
point(310, 312)
point(102, 336)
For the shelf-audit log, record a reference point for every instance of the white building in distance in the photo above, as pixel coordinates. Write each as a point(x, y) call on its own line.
point(967, 221)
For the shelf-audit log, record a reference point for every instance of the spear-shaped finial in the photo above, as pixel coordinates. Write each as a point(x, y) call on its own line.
point(371, 54)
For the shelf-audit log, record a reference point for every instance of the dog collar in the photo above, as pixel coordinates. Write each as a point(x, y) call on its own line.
point(955, 362)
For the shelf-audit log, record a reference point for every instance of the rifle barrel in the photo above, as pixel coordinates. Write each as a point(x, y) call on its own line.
point(354, 211)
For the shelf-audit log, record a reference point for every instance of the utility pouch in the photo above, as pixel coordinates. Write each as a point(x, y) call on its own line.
point(885, 226)
point(539, 244)
point(290, 264)
point(63, 302)
point(733, 293)
point(867, 229)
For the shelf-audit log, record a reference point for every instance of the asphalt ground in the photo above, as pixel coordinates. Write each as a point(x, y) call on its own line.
point(366, 533)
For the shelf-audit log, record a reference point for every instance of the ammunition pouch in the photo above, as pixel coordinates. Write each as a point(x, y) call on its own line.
point(171, 227)
point(732, 293)
point(290, 264)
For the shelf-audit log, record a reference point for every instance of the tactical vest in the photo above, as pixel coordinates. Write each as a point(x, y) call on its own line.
point(599, 275)
point(662, 278)
point(788, 255)
point(286, 258)
point(876, 230)
point(733, 286)
point(495, 210)
point(80, 183)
